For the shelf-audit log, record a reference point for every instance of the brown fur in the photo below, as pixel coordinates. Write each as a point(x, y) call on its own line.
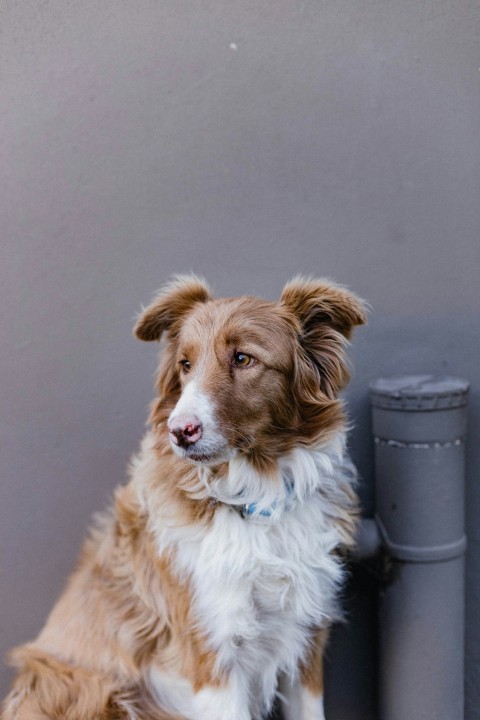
point(301, 373)
point(124, 608)
point(311, 670)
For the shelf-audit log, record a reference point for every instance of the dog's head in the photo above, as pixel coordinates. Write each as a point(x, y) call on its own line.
point(244, 375)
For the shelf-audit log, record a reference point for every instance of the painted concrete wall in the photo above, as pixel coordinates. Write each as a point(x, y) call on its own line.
point(247, 140)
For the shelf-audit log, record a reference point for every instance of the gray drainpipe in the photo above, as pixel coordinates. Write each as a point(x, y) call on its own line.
point(419, 426)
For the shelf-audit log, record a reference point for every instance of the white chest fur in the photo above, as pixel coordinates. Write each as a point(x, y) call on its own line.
point(260, 583)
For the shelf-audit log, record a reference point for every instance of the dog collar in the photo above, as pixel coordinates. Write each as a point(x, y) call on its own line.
point(250, 509)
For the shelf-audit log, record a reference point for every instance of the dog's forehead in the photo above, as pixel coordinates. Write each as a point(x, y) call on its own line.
point(236, 319)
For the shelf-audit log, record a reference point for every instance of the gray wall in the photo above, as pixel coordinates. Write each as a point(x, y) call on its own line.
point(247, 140)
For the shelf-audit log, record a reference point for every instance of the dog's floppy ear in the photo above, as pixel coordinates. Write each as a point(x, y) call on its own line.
point(170, 305)
point(325, 315)
point(316, 302)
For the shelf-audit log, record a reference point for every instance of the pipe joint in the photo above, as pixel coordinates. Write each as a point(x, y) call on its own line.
point(421, 554)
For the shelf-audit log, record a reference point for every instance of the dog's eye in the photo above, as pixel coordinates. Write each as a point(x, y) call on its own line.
point(243, 360)
point(186, 365)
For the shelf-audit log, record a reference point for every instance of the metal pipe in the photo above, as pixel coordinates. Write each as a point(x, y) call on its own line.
point(419, 426)
point(368, 541)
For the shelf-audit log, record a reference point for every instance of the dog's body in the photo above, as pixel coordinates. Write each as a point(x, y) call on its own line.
point(212, 584)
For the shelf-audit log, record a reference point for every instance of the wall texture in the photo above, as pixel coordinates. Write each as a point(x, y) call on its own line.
point(247, 140)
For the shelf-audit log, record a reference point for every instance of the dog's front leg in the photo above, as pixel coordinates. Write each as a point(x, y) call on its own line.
point(300, 703)
point(303, 699)
point(221, 703)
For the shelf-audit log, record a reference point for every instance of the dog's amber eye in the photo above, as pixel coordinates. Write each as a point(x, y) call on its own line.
point(243, 360)
point(186, 365)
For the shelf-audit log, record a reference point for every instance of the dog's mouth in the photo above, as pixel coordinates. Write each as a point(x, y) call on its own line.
point(199, 457)
point(204, 456)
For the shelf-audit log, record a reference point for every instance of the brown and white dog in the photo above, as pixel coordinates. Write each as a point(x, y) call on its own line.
point(209, 588)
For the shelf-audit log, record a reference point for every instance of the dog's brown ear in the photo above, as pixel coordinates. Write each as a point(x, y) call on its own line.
point(316, 302)
point(325, 315)
point(170, 305)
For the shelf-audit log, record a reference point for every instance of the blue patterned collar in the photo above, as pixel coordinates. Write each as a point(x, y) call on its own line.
point(250, 509)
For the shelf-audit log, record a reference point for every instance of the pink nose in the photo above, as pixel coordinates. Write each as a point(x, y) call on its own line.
point(185, 429)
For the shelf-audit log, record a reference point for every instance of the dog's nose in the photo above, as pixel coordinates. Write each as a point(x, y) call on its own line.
point(185, 429)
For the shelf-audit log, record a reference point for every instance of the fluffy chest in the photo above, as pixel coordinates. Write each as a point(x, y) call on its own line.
point(257, 586)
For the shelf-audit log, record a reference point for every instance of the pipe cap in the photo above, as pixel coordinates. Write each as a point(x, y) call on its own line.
point(419, 393)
